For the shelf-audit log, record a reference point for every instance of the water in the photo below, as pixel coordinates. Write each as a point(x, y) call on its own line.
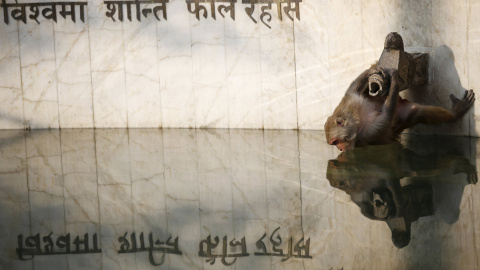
point(235, 199)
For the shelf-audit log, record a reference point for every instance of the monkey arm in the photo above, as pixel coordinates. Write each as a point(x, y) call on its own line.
point(380, 131)
point(412, 113)
point(391, 102)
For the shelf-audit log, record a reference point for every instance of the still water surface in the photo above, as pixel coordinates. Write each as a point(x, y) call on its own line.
point(235, 199)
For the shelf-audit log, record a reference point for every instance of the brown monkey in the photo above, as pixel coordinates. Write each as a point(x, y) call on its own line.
point(361, 120)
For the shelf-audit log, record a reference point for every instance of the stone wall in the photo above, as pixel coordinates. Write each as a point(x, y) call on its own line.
point(223, 72)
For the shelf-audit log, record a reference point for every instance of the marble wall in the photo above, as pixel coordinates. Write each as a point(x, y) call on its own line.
point(224, 73)
point(196, 183)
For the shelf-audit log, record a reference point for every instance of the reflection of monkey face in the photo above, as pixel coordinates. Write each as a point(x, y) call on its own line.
point(343, 176)
point(340, 131)
point(353, 175)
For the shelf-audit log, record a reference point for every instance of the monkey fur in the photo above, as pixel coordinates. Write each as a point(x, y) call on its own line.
point(361, 119)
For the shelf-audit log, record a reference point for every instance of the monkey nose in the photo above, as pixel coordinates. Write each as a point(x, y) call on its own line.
point(334, 142)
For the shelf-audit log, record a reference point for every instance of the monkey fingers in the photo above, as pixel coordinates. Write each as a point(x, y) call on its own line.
point(461, 106)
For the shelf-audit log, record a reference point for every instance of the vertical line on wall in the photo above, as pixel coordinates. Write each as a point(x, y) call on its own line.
point(328, 61)
point(259, 39)
point(265, 183)
point(64, 191)
point(165, 201)
point(24, 135)
point(21, 77)
point(198, 185)
point(193, 77)
point(98, 194)
point(226, 73)
point(28, 184)
point(56, 74)
point(28, 189)
point(125, 76)
point(295, 72)
point(91, 72)
point(132, 201)
point(158, 77)
point(301, 189)
point(232, 184)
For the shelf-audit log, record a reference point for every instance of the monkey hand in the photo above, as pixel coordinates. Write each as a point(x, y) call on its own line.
point(379, 71)
point(392, 74)
point(461, 106)
point(391, 102)
point(395, 80)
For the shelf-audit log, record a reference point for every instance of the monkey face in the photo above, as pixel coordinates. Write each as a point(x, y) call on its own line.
point(341, 132)
point(343, 175)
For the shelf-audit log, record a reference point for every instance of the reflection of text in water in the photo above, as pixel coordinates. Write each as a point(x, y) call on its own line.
point(210, 248)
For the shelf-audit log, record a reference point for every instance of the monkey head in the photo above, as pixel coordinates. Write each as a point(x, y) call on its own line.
point(341, 130)
point(344, 176)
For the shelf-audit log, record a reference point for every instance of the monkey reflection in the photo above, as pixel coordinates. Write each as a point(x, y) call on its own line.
point(396, 185)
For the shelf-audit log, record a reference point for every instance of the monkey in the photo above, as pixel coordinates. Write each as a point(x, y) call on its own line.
point(361, 120)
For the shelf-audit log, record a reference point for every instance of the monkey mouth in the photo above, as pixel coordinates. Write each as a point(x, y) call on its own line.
point(346, 147)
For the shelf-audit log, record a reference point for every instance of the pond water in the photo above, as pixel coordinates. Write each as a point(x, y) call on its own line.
point(235, 199)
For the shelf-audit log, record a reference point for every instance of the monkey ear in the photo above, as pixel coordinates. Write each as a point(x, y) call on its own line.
point(340, 122)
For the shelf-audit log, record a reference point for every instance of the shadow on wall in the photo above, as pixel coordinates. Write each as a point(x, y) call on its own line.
point(7, 117)
point(446, 81)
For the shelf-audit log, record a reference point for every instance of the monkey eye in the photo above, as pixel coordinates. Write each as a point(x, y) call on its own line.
point(335, 142)
point(340, 122)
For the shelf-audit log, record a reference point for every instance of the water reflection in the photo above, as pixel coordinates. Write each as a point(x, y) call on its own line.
point(205, 199)
point(399, 185)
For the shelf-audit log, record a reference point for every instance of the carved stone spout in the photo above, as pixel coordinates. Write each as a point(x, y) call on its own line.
point(412, 68)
